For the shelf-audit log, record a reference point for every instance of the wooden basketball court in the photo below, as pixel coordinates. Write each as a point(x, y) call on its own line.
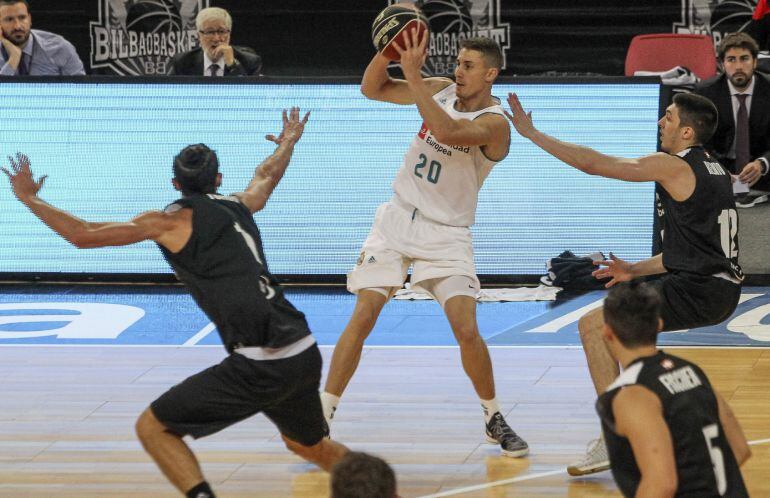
point(67, 415)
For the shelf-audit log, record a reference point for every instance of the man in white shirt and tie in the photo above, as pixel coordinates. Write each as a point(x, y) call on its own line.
point(216, 57)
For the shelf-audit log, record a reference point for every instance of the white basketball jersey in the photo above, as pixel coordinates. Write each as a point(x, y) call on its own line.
point(443, 181)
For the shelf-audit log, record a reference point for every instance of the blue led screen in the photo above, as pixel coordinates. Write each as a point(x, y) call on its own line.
point(108, 151)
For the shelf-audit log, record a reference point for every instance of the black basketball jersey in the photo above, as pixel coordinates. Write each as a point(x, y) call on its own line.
point(705, 463)
point(700, 234)
point(223, 266)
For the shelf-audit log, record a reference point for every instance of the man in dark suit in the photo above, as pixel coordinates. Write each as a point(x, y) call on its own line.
point(216, 57)
point(742, 97)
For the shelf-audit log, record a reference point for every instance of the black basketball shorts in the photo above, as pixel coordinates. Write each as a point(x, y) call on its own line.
point(689, 300)
point(285, 390)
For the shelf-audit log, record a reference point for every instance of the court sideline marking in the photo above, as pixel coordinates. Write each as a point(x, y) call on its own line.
point(192, 341)
point(530, 477)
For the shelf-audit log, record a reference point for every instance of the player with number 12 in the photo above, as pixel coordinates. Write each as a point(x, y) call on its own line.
point(700, 281)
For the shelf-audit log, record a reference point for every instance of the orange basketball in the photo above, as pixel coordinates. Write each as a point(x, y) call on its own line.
point(393, 24)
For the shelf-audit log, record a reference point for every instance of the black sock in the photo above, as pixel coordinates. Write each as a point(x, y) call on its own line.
point(202, 490)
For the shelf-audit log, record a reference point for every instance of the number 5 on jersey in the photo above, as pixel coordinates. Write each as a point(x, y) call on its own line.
point(711, 432)
point(434, 169)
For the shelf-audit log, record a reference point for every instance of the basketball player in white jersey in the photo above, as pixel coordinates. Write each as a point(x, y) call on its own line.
point(426, 223)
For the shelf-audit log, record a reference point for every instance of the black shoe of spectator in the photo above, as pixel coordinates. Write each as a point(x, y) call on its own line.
point(750, 200)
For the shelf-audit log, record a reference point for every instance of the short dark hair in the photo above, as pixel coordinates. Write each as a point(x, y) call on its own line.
point(738, 40)
point(3, 3)
point(489, 49)
point(699, 113)
point(359, 474)
point(632, 310)
point(195, 169)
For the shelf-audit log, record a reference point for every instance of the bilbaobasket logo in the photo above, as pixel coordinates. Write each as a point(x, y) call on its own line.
point(452, 21)
point(716, 18)
point(139, 37)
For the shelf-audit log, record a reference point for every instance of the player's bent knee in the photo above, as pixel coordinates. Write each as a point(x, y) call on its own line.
point(364, 320)
point(466, 333)
point(310, 453)
point(147, 425)
point(591, 323)
point(367, 310)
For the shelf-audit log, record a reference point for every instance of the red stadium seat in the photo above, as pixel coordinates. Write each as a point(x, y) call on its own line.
point(661, 52)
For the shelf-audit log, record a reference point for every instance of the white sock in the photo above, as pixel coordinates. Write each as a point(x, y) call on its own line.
point(490, 408)
point(329, 404)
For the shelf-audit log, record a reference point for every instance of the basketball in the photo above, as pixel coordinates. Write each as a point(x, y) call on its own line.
point(393, 24)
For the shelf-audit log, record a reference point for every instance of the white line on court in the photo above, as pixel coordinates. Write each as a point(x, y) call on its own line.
point(192, 341)
point(513, 480)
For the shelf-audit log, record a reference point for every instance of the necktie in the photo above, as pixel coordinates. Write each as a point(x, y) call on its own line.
point(213, 70)
point(22, 70)
point(742, 156)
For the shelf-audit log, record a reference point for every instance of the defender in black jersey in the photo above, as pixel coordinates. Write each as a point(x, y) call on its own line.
point(668, 432)
point(699, 263)
point(214, 246)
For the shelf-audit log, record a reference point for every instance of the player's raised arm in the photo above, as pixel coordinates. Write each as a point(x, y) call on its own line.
point(378, 85)
point(659, 167)
point(152, 225)
point(391, 27)
point(271, 170)
point(486, 130)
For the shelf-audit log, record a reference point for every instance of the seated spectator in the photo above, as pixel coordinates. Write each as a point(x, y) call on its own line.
point(26, 51)
point(215, 56)
point(741, 141)
point(358, 474)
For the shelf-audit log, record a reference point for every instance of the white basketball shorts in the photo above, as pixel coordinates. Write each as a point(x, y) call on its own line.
point(400, 238)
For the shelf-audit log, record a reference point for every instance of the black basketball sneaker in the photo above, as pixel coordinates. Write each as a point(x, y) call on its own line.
point(499, 432)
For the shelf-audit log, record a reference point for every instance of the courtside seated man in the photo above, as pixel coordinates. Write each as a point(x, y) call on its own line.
point(426, 224)
point(700, 281)
point(214, 246)
point(668, 432)
point(32, 52)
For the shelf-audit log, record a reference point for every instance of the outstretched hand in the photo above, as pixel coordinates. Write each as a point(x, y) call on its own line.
point(21, 178)
point(413, 53)
point(616, 268)
point(521, 120)
point(292, 127)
